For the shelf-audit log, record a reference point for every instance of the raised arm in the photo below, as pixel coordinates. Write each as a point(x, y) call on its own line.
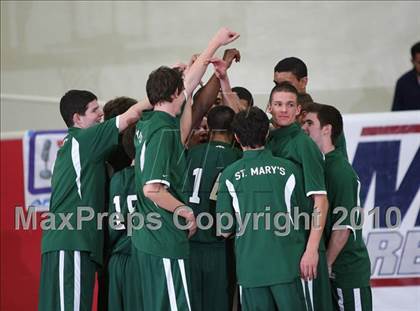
point(193, 76)
point(206, 96)
point(133, 114)
point(230, 98)
point(186, 122)
point(198, 68)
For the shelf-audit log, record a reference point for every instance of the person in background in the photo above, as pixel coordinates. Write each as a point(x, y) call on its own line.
point(347, 256)
point(407, 90)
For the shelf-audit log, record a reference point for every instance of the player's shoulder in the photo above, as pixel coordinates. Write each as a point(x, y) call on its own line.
point(198, 149)
point(87, 134)
point(338, 168)
point(232, 168)
point(271, 159)
point(116, 179)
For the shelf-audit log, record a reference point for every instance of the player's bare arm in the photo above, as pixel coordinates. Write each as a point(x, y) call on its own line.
point(186, 121)
point(230, 98)
point(133, 114)
point(337, 241)
point(207, 96)
point(195, 73)
point(159, 195)
point(309, 261)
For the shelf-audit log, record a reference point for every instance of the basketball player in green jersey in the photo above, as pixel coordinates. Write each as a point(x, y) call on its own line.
point(210, 288)
point(347, 256)
point(258, 192)
point(288, 140)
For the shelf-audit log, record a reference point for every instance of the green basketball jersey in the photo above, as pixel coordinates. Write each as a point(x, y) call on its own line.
point(352, 266)
point(160, 158)
point(205, 162)
point(122, 200)
point(79, 181)
point(293, 144)
point(260, 188)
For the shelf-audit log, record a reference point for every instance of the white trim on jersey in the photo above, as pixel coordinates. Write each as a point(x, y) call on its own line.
point(142, 155)
point(117, 122)
point(316, 192)
point(340, 299)
point(240, 294)
point(184, 281)
point(288, 190)
point(61, 278)
point(357, 300)
point(350, 228)
point(77, 268)
point(305, 295)
point(75, 158)
point(311, 295)
point(170, 284)
point(158, 181)
point(235, 201)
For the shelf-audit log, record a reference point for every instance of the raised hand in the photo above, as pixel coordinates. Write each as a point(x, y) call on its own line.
point(220, 67)
point(225, 36)
point(230, 55)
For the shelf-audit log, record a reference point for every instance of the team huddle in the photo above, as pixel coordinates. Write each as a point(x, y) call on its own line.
point(213, 204)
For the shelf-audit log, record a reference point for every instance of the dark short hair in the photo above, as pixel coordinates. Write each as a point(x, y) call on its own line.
point(251, 127)
point(220, 118)
point(243, 93)
point(117, 106)
point(304, 99)
point(328, 115)
point(283, 87)
point(118, 158)
point(128, 141)
point(163, 83)
point(293, 65)
point(75, 101)
point(415, 49)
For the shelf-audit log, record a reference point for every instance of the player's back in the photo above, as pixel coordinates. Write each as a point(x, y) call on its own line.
point(260, 188)
point(205, 163)
point(122, 201)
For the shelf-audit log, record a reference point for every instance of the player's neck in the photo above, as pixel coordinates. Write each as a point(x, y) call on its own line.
point(326, 147)
point(221, 137)
point(166, 107)
point(246, 148)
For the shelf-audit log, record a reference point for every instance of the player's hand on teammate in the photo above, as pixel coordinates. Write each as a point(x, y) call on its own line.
point(220, 67)
point(188, 214)
point(192, 225)
point(224, 36)
point(308, 265)
point(231, 55)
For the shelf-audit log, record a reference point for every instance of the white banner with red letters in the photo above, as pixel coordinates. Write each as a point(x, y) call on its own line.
point(384, 150)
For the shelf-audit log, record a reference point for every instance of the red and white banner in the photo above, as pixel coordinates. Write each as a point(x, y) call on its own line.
point(384, 150)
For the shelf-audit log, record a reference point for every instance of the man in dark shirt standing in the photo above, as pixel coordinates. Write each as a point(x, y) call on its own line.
point(407, 90)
